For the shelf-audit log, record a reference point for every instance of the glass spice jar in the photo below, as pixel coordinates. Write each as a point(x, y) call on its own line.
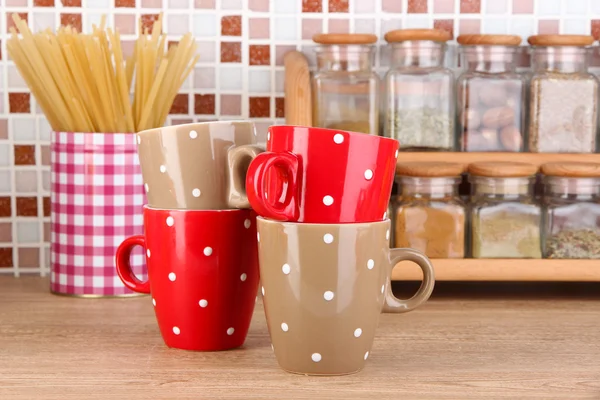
point(491, 94)
point(420, 91)
point(345, 88)
point(563, 95)
point(429, 213)
point(505, 220)
point(571, 218)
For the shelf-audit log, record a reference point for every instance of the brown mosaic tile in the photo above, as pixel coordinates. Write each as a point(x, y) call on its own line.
point(279, 107)
point(6, 257)
point(312, 6)
point(281, 51)
point(231, 25)
point(260, 107)
point(24, 155)
point(47, 232)
point(19, 103)
point(5, 207)
point(445, 25)
point(595, 28)
point(260, 54)
point(417, 6)
point(47, 206)
point(45, 150)
point(9, 21)
point(43, 3)
point(470, 6)
point(231, 52)
point(3, 127)
point(231, 104)
point(204, 104)
point(73, 3)
point(29, 257)
point(338, 6)
point(27, 207)
point(125, 3)
point(125, 23)
point(180, 104)
point(148, 21)
point(73, 20)
point(6, 232)
point(181, 121)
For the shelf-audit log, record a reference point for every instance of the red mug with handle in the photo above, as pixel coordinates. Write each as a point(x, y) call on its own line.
point(203, 274)
point(317, 175)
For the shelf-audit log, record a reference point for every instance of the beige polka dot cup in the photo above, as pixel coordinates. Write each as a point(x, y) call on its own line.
point(198, 166)
point(324, 287)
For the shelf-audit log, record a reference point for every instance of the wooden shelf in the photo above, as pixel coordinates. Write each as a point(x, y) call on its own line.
point(505, 270)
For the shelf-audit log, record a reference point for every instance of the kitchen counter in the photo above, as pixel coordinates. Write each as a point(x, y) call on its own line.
point(467, 342)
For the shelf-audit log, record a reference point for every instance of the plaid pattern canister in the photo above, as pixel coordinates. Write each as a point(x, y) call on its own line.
point(97, 202)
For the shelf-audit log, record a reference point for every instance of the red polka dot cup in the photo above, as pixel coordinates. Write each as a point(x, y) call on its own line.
point(317, 175)
point(203, 275)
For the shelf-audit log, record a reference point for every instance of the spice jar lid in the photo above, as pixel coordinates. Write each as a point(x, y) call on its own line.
point(560, 40)
point(502, 169)
point(344, 38)
point(571, 169)
point(401, 35)
point(491, 40)
point(429, 169)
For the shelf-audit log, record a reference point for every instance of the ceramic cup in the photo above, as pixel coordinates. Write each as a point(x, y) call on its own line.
point(316, 175)
point(324, 287)
point(203, 275)
point(198, 166)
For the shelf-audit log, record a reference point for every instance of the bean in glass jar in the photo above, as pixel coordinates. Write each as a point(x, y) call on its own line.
point(563, 95)
point(490, 94)
point(571, 210)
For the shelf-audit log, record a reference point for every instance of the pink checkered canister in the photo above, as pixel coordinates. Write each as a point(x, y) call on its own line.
point(97, 202)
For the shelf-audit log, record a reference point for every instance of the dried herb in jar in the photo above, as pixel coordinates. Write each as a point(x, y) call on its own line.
point(423, 129)
point(505, 234)
point(576, 244)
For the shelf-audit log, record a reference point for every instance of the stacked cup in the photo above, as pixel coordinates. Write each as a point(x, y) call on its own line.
point(199, 233)
point(323, 244)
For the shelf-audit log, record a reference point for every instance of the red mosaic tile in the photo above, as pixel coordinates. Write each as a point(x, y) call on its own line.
point(72, 3)
point(180, 104)
point(231, 25)
point(417, 6)
point(148, 21)
point(27, 207)
point(231, 52)
point(338, 6)
point(595, 27)
point(260, 107)
point(11, 24)
point(312, 6)
point(125, 3)
point(6, 258)
point(279, 107)
point(5, 207)
point(204, 104)
point(445, 25)
point(182, 121)
point(24, 155)
point(19, 103)
point(73, 20)
point(260, 54)
point(470, 6)
point(46, 206)
point(43, 3)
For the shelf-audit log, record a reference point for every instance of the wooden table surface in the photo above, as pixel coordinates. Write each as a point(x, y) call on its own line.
point(467, 342)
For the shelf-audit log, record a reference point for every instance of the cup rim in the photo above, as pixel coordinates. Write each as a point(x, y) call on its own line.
point(319, 224)
point(191, 124)
point(350, 133)
point(185, 210)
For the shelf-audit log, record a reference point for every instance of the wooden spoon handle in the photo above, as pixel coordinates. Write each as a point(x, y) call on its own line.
point(298, 102)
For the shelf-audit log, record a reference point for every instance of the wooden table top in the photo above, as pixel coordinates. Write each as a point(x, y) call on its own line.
point(463, 344)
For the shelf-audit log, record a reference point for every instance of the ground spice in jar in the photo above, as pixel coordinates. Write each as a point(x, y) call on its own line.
point(423, 129)
point(506, 234)
point(576, 244)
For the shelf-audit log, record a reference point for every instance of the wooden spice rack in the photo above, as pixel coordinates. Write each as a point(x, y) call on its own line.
point(503, 269)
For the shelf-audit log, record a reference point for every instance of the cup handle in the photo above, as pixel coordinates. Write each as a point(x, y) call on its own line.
point(236, 191)
point(287, 210)
point(124, 267)
point(395, 305)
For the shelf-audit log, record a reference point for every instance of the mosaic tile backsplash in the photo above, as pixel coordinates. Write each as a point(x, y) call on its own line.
point(239, 76)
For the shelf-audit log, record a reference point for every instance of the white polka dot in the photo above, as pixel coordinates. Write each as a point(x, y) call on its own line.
point(284, 327)
point(357, 332)
point(243, 277)
point(316, 357)
point(382, 288)
point(328, 238)
point(176, 330)
point(328, 295)
point(258, 236)
point(193, 134)
point(338, 138)
point(366, 355)
point(163, 169)
point(247, 224)
point(139, 139)
point(148, 252)
point(368, 174)
point(328, 200)
point(170, 221)
point(203, 303)
point(370, 264)
point(387, 235)
point(196, 192)
point(154, 302)
point(286, 269)
point(146, 187)
point(268, 135)
point(262, 289)
point(172, 276)
point(207, 251)
point(230, 331)
point(396, 154)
